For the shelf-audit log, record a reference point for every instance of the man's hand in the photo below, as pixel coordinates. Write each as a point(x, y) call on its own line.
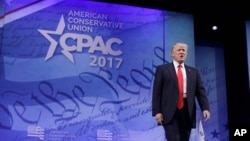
point(206, 114)
point(159, 118)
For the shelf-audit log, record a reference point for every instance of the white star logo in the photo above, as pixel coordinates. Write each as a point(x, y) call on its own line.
point(54, 43)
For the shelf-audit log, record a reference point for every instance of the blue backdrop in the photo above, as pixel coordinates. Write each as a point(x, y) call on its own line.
point(83, 70)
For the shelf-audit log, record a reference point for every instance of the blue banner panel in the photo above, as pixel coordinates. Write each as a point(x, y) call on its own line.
point(211, 64)
point(248, 48)
point(83, 71)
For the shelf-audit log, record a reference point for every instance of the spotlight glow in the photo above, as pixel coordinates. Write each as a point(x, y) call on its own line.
point(214, 27)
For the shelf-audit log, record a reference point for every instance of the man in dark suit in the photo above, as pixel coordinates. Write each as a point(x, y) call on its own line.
point(178, 120)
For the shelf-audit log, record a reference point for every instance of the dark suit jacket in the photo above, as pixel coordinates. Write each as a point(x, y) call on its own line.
point(165, 92)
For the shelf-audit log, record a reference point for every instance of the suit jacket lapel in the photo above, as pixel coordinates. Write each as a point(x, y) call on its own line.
point(173, 74)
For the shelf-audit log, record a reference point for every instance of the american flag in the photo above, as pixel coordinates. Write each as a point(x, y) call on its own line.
point(36, 131)
point(201, 135)
point(104, 135)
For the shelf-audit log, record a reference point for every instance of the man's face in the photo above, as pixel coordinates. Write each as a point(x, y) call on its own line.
point(179, 52)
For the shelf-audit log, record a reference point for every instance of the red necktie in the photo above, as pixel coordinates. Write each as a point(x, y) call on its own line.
point(181, 87)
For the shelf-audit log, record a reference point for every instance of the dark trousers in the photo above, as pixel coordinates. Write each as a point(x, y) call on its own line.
point(179, 128)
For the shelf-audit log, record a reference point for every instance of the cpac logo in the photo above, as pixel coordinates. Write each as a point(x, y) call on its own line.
point(240, 132)
point(81, 41)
